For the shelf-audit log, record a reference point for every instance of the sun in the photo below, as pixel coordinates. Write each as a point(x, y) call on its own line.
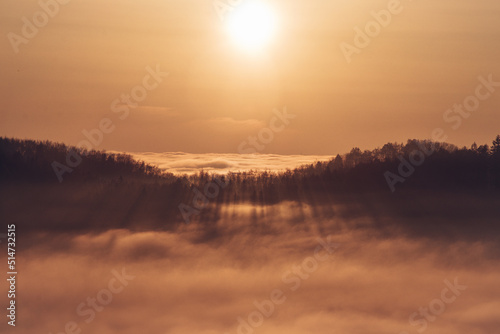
point(252, 25)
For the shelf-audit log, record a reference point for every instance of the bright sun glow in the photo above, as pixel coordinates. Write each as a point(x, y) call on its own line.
point(252, 25)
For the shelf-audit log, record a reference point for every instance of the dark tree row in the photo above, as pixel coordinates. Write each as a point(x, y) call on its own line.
point(30, 160)
point(125, 193)
point(444, 165)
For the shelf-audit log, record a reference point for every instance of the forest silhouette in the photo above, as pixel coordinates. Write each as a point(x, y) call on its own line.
point(125, 193)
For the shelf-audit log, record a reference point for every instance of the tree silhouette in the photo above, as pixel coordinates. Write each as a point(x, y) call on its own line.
point(495, 148)
point(447, 166)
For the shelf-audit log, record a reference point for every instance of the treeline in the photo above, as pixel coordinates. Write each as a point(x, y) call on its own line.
point(116, 189)
point(31, 160)
point(415, 164)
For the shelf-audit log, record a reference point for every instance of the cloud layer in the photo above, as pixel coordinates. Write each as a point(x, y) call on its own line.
point(188, 163)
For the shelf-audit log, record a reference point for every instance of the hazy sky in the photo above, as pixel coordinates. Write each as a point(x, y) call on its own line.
point(64, 79)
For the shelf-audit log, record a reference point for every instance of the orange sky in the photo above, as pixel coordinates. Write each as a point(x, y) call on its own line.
point(65, 79)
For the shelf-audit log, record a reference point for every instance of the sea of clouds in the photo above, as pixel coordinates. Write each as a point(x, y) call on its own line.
point(221, 163)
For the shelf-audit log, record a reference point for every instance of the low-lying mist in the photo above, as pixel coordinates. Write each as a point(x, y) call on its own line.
point(290, 267)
